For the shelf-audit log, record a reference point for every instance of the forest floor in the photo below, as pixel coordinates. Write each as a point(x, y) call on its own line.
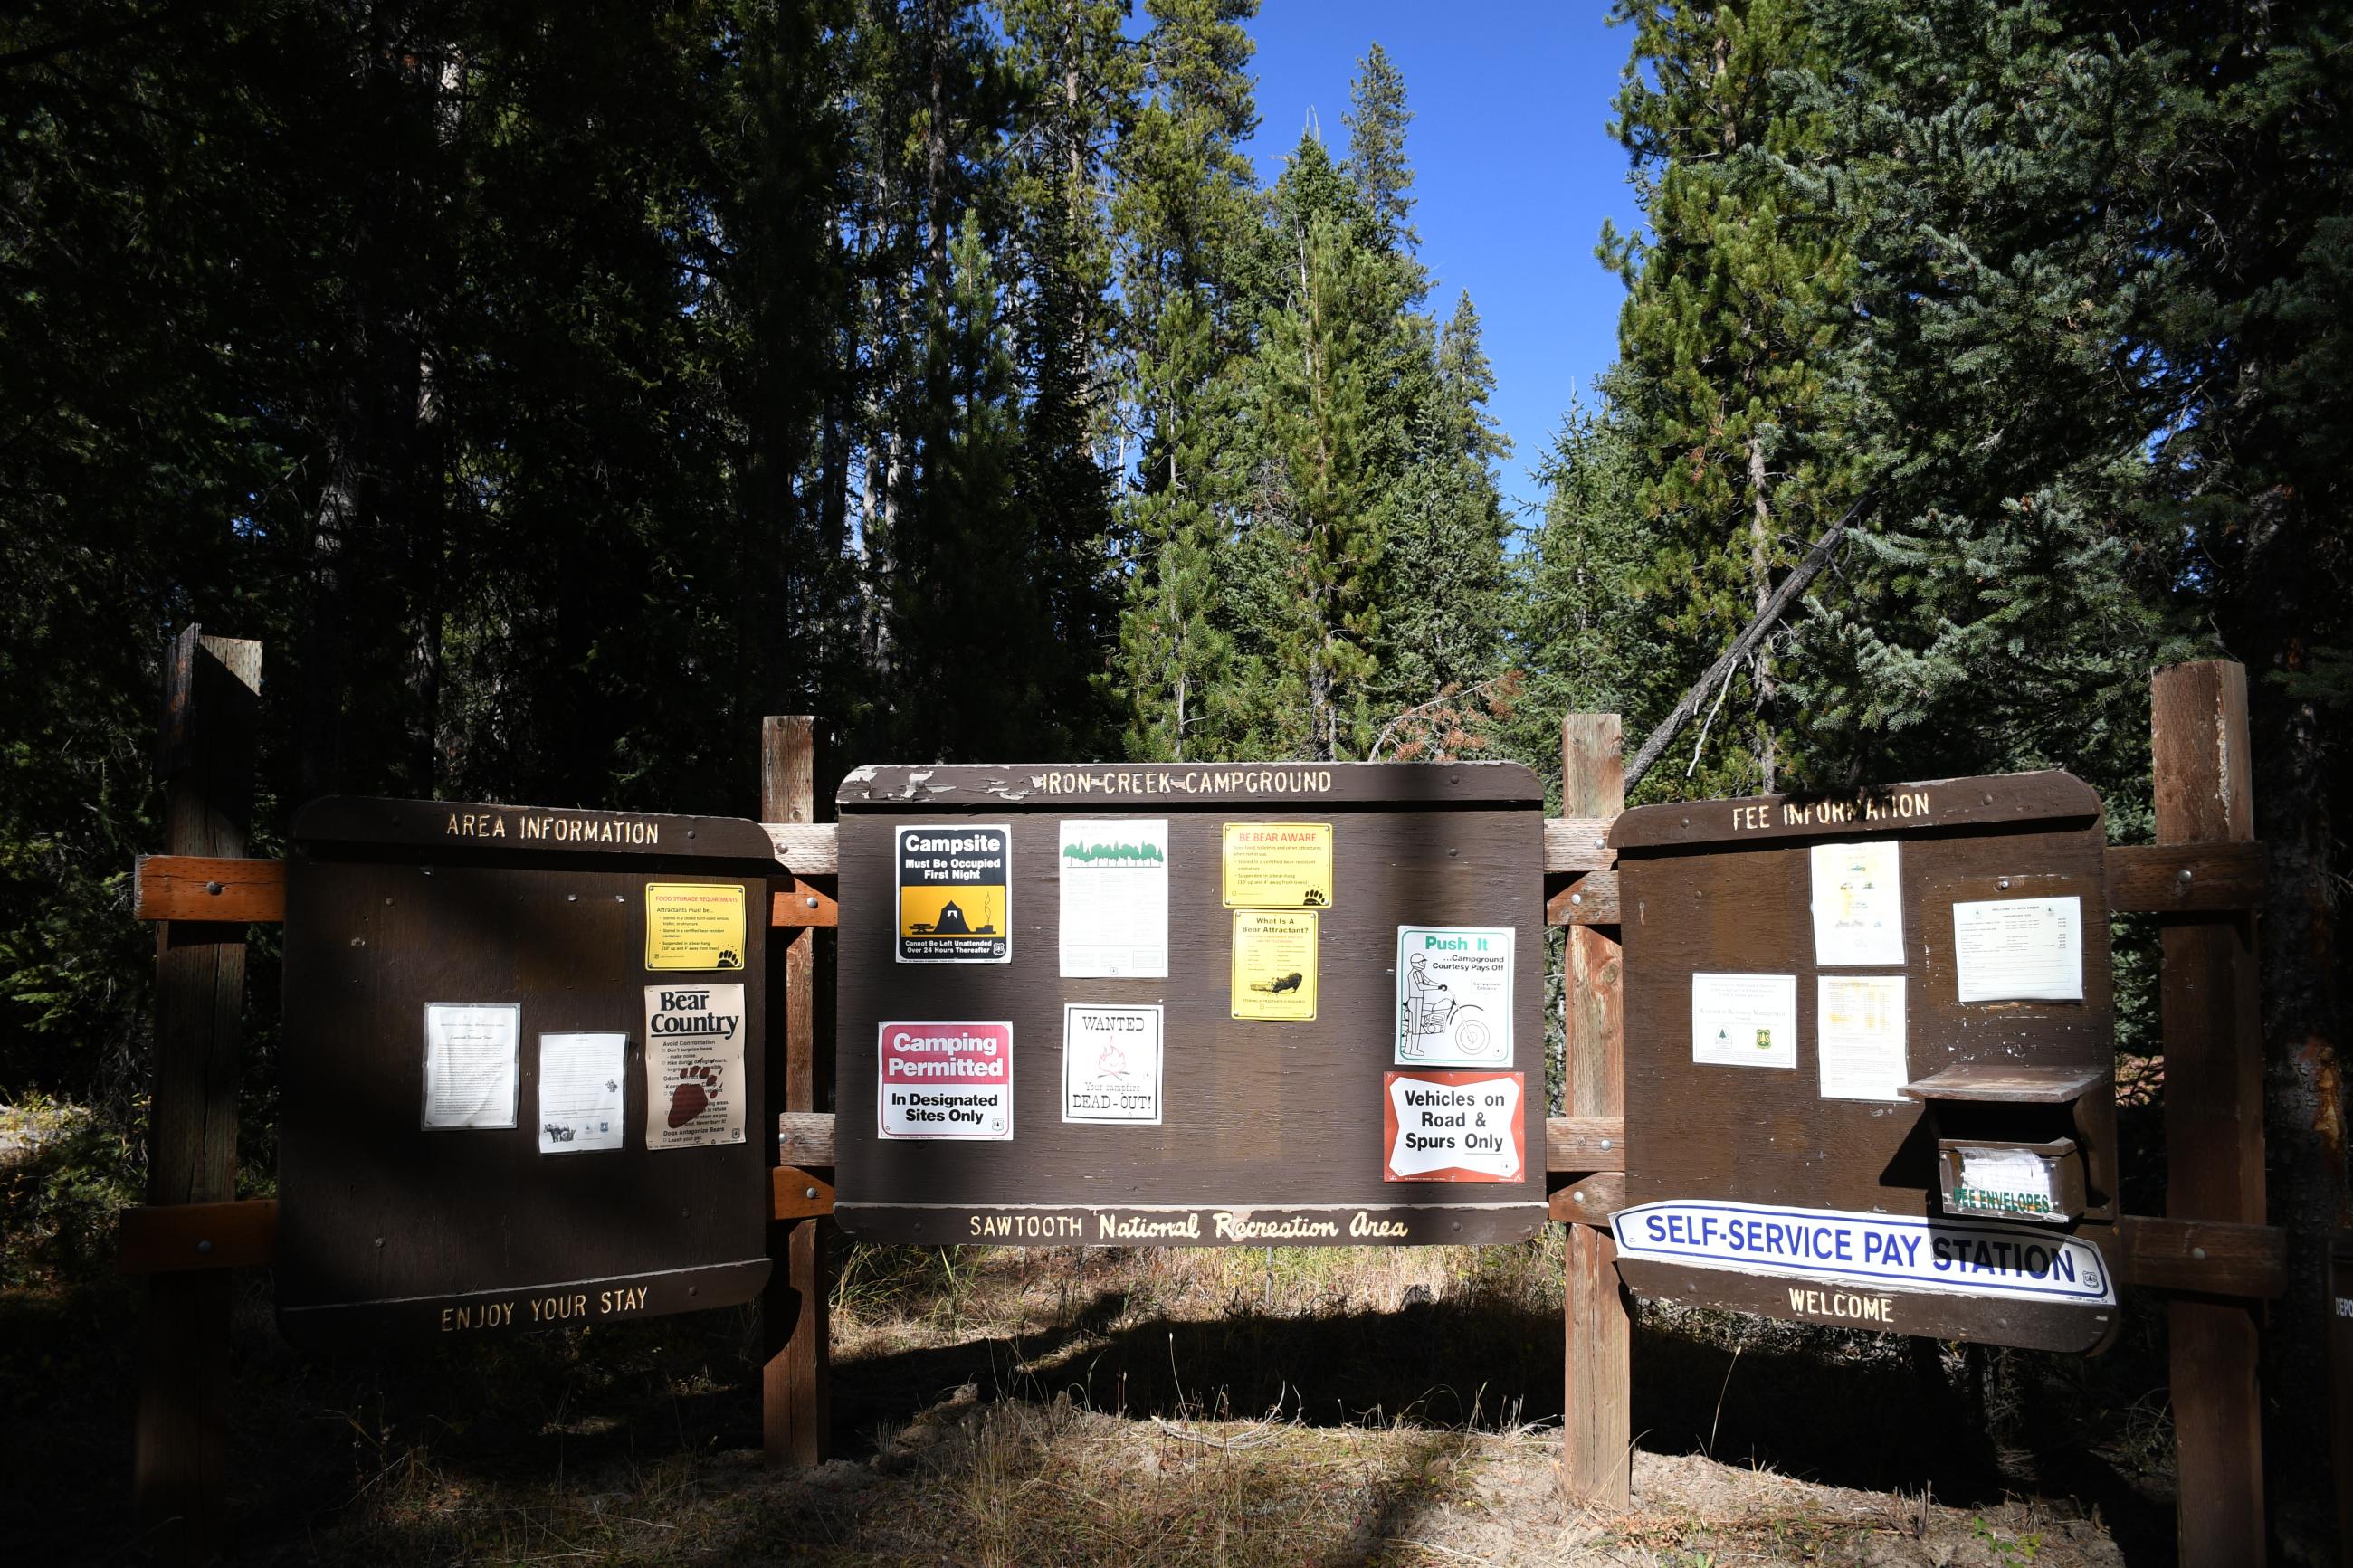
point(1001, 1406)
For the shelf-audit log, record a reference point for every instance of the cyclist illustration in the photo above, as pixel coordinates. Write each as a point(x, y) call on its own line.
point(1429, 1016)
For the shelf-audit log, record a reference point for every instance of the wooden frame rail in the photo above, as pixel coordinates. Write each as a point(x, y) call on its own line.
point(2211, 1255)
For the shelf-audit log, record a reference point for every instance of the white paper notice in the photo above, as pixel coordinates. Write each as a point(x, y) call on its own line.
point(470, 1052)
point(1455, 996)
point(580, 1092)
point(2020, 950)
point(1859, 1036)
point(1858, 904)
point(1111, 1063)
point(1114, 900)
point(1745, 1020)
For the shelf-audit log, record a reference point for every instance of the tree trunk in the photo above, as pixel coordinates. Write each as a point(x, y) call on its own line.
point(1760, 581)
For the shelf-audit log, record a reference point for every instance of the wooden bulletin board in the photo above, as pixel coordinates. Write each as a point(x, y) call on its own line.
point(1722, 1148)
point(390, 1227)
point(1261, 1130)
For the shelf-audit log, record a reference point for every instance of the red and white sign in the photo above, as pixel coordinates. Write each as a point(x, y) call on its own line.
point(1453, 1126)
point(943, 1079)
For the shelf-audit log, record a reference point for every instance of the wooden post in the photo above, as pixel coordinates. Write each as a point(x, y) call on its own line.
point(205, 757)
point(2339, 1311)
point(2213, 1110)
point(1596, 1416)
point(795, 1403)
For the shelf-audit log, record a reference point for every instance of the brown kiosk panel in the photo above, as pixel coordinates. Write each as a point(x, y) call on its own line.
point(1265, 1131)
point(1751, 1187)
point(391, 1228)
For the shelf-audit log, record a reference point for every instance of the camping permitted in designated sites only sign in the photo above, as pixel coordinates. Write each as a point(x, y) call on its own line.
point(1197, 968)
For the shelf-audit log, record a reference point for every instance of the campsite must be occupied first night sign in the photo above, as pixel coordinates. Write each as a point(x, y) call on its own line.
point(1188, 1006)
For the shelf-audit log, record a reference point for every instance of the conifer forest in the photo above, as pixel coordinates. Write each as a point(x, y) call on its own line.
point(556, 390)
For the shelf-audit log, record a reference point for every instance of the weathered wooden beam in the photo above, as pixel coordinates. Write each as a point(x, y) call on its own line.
point(795, 1394)
point(173, 1238)
point(1590, 900)
point(805, 1138)
point(797, 1194)
point(2201, 1257)
point(1578, 844)
point(212, 698)
point(803, 904)
point(2179, 879)
point(1590, 1199)
point(1585, 1143)
point(807, 847)
point(2209, 1021)
point(229, 889)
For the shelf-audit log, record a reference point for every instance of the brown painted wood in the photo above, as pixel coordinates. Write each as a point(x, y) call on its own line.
point(528, 830)
point(2016, 1083)
point(795, 1392)
point(2201, 1257)
point(2211, 1030)
point(2008, 800)
point(800, 903)
point(2031, 1325)
point(1597, 1431)
point(1590, 1199)
point(983, 788)
point(383, 1224)
point(1585, 1143)
point(165, 1239)
point(2170, 879)
point(1589, 899)
point(1258, 1117)
point(799, 1194)
point(211, 704)
point(1732, 892)
point(232, 889)
point(1577, 842)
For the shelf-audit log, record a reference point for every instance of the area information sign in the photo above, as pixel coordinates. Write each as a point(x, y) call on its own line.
point(521, 1069)
point(1195, 972)
point(1830, 1002)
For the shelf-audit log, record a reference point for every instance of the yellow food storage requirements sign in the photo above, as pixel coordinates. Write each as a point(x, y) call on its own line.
point(694, 925)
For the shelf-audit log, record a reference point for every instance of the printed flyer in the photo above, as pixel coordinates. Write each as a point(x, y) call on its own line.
point(694, 1066)
point(1455, 996)
point(954, 901)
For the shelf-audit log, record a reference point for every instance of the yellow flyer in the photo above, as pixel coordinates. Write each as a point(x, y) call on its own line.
point(1278, 865)
point(694, 925)
point(1274, 964)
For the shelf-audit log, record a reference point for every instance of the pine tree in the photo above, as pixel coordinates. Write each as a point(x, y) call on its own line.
point(1733, 297)
point(1181, 208)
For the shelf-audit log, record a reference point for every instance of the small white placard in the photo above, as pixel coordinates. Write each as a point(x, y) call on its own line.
point(2020, 950)
point(1455, 996)
point(1111, 1063)
point(580, 1080)
point(1858, 903)
point(1745, 1020)
point(470, 1053)
point(1859, 1036)
point(1114, 898)
point(2008, 1173)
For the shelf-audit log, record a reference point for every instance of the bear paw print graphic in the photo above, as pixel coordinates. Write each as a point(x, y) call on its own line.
point(692, 1094)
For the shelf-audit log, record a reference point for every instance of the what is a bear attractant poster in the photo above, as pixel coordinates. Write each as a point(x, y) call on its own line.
point(694, 1066)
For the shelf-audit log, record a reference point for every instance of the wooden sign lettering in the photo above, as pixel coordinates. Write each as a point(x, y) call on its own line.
point(504, 1106)
point(1192, 1038)
point(1818, 990)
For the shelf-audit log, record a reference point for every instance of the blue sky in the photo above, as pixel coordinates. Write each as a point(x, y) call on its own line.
point(1512, 164)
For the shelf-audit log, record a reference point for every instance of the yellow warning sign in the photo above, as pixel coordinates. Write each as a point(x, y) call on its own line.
point(1278, 865)
point(1274, 964)
point(694, 925)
